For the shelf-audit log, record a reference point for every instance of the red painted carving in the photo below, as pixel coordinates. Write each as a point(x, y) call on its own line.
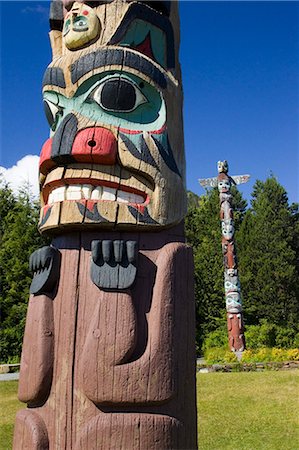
point(96, 145)
point(145, 47)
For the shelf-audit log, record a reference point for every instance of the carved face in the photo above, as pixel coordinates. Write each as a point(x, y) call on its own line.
point(231, 284)
point(81, 26)
point(227, 229)
point(233, 302)
point(231, 272)
point(222, 166)
point(223, 186)
point(115, 153)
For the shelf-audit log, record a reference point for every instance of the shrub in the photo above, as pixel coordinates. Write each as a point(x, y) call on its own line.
point(285, 337)
point(221, 355)
point(292, 354)
point(278, 355)
point(270, 335)
point(296, 341)
point(247, 356)
point(217, 338)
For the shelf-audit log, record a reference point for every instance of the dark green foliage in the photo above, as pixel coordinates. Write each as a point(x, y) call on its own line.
point(270, 335)
point(267, 238)
point(19, 238)
point(268, 257)
point(216, 338)
point(267, 242)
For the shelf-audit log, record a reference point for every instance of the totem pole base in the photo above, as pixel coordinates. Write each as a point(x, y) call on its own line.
point(236, 336)
point(106, 368)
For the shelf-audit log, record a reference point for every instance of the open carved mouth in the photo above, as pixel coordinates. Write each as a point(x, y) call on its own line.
point(77, 182)
point(92, 190)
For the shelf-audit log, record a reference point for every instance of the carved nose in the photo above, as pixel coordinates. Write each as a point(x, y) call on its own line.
point(69, 3)
point(91, 145)
point(97, 145)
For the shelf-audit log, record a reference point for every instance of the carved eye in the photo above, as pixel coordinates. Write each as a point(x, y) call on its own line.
point(52, 113)
point(80, 23)
point(66, 27)
point(227, 285)
point(118, 95)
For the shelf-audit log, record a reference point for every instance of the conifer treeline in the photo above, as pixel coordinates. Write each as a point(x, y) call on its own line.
point(267, 236)
point(267, 240)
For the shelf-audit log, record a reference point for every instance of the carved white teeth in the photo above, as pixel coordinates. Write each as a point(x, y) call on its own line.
point(87, 191)
point(96, 193)
point(108, 193)
point(123, 197)
point(73, 193)
point(50, 199)
point(58, 195)
point(129, 197)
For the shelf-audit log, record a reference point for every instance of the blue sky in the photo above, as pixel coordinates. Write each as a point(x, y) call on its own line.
point(240, 64)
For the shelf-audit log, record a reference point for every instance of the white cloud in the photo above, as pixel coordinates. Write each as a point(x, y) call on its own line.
point(25, 171)
point(36, 9)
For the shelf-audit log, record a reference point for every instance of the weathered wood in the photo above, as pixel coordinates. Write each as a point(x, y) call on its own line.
point(38, 352)
point(121, 351)
point(117, 367)
point(119, 86)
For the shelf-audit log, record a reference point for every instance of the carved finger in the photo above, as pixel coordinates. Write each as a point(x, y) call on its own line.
point(132, 251)
point(118, 250)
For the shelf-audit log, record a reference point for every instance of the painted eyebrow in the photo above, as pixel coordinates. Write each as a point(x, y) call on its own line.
point(109, 57)
point(54, 76)
point(143, 12)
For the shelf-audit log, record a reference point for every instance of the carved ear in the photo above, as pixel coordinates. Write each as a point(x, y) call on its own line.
point(56, 15)
point(45, 264)
point(56, 25)
point(113, 264)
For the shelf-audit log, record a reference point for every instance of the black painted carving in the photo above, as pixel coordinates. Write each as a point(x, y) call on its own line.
point(64, 138)
point(93, 215)
point(162, 6)
point(54, 76)
point(142, 217)
point(45, 264)
point(118, 95)
point(56, 15)
point(107, 57)
point(167, 155)
point(113, 264)
point(142, 152)
point(45, 217)
point(143, 12)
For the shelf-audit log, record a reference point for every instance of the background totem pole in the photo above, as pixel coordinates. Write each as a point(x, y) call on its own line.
point(231, 278)
point(108, 357)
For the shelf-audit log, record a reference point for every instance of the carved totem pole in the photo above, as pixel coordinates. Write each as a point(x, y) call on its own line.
point(108, 357)
point(232, 286)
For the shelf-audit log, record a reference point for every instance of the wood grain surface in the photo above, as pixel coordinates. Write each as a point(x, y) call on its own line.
point(118, 360)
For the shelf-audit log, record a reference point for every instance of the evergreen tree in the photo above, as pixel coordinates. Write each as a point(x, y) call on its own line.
point(7, 203)
point(19, 239)
point(268, 255)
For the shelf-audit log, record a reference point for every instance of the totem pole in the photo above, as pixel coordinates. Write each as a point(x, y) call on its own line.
point(108, 358)
point(231, 279)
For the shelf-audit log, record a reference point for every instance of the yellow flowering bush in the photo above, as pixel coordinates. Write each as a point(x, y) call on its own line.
point(293, 354)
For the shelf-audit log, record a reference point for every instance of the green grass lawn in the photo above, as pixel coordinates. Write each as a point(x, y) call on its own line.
point(240, 411)
point(248, 411)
